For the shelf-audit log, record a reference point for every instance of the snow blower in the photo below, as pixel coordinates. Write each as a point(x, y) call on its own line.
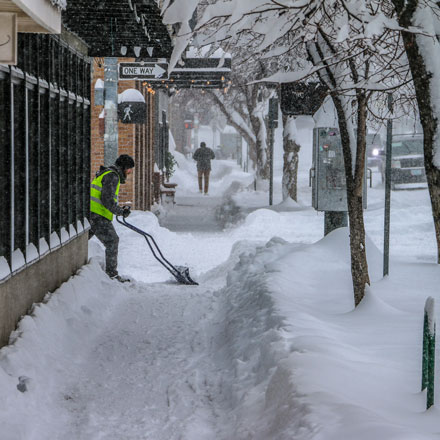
point(180, 273)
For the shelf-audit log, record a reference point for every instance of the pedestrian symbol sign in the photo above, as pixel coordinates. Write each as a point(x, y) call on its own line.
point(132, 112)
point(127, 113)
point(150, 71)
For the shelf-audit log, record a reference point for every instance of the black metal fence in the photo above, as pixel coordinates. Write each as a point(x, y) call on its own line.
point(44, 148)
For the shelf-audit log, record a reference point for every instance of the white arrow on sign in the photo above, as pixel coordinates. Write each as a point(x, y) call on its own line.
point(158, 71)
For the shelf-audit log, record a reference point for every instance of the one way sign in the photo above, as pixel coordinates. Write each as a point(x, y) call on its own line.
point(143, 71)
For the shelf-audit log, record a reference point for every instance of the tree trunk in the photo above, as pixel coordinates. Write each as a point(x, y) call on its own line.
point(355, 181)
point(422, 84)
point(259, 128)
point(290, 161)
point(359, 265)
point(354, 170)
point(262, 162)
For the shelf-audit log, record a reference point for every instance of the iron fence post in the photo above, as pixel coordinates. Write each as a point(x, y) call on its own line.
point(428, 358)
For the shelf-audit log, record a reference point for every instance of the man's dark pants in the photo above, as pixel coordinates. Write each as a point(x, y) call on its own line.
point(105, 232)
point(203, 175)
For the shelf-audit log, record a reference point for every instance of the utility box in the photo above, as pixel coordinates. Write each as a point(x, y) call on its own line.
point(327, 176)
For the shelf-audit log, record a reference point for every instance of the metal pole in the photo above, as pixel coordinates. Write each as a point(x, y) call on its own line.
point(271, 166)
point(386, 240)
point(111, 110)
point(428, 358)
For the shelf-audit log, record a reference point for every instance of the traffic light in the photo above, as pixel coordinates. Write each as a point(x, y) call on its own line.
point(188, 124)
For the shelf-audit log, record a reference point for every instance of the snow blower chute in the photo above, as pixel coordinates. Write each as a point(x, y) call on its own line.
point(180, 273)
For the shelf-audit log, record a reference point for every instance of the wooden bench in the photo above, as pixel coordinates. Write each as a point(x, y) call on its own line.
point(164, 192)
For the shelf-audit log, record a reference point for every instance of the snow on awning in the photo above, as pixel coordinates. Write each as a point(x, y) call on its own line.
point(130, 95)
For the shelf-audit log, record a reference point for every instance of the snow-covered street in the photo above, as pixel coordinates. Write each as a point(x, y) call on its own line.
point(267, 347)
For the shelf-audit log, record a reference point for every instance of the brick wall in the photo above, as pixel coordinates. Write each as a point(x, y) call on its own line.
point(126, 134)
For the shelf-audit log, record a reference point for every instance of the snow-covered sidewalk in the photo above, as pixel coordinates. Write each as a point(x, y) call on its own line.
point(149, 372)
point(267, 347)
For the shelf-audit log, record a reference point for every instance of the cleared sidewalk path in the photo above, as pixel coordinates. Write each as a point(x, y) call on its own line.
point(193, 214)
point(151, 372)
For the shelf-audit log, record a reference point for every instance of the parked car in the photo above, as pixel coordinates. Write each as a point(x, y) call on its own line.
point(407, 162)
point(374, 148)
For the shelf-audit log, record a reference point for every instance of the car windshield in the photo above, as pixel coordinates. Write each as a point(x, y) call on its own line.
point(407, 146)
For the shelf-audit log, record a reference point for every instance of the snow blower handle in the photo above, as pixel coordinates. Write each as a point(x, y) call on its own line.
point(126, 211)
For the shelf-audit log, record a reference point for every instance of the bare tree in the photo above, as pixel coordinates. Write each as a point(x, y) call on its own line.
point(348, 51)
point(244, 106)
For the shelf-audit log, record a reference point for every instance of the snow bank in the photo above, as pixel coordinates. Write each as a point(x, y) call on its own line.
point(309, 366)
point(46, 341)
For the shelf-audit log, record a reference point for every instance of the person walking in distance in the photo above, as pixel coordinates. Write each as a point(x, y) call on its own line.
point(104, 192)
point(203, 156)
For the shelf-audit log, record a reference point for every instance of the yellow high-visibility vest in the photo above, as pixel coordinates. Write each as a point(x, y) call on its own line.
point(96, 205)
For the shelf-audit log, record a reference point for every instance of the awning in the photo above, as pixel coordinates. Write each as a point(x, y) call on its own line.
point(119, 28)
point(202, 73)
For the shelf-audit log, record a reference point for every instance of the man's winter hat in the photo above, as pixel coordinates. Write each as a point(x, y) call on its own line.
point(202, 144)
point(125, 162)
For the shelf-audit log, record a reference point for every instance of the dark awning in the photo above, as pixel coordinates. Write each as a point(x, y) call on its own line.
point(118, 28)
point(202, 72)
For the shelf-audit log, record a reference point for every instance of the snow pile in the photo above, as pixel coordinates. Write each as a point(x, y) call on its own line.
point(306, 365)
point(49, 340)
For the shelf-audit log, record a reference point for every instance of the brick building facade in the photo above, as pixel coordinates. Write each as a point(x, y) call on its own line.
point(145, 142)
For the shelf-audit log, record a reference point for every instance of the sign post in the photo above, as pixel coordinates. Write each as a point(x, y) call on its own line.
point(111, 137)
point(273, 123)
point(386, 239)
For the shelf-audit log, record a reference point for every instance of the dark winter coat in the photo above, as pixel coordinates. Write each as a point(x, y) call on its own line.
point(109, 185)
point(203, 156)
